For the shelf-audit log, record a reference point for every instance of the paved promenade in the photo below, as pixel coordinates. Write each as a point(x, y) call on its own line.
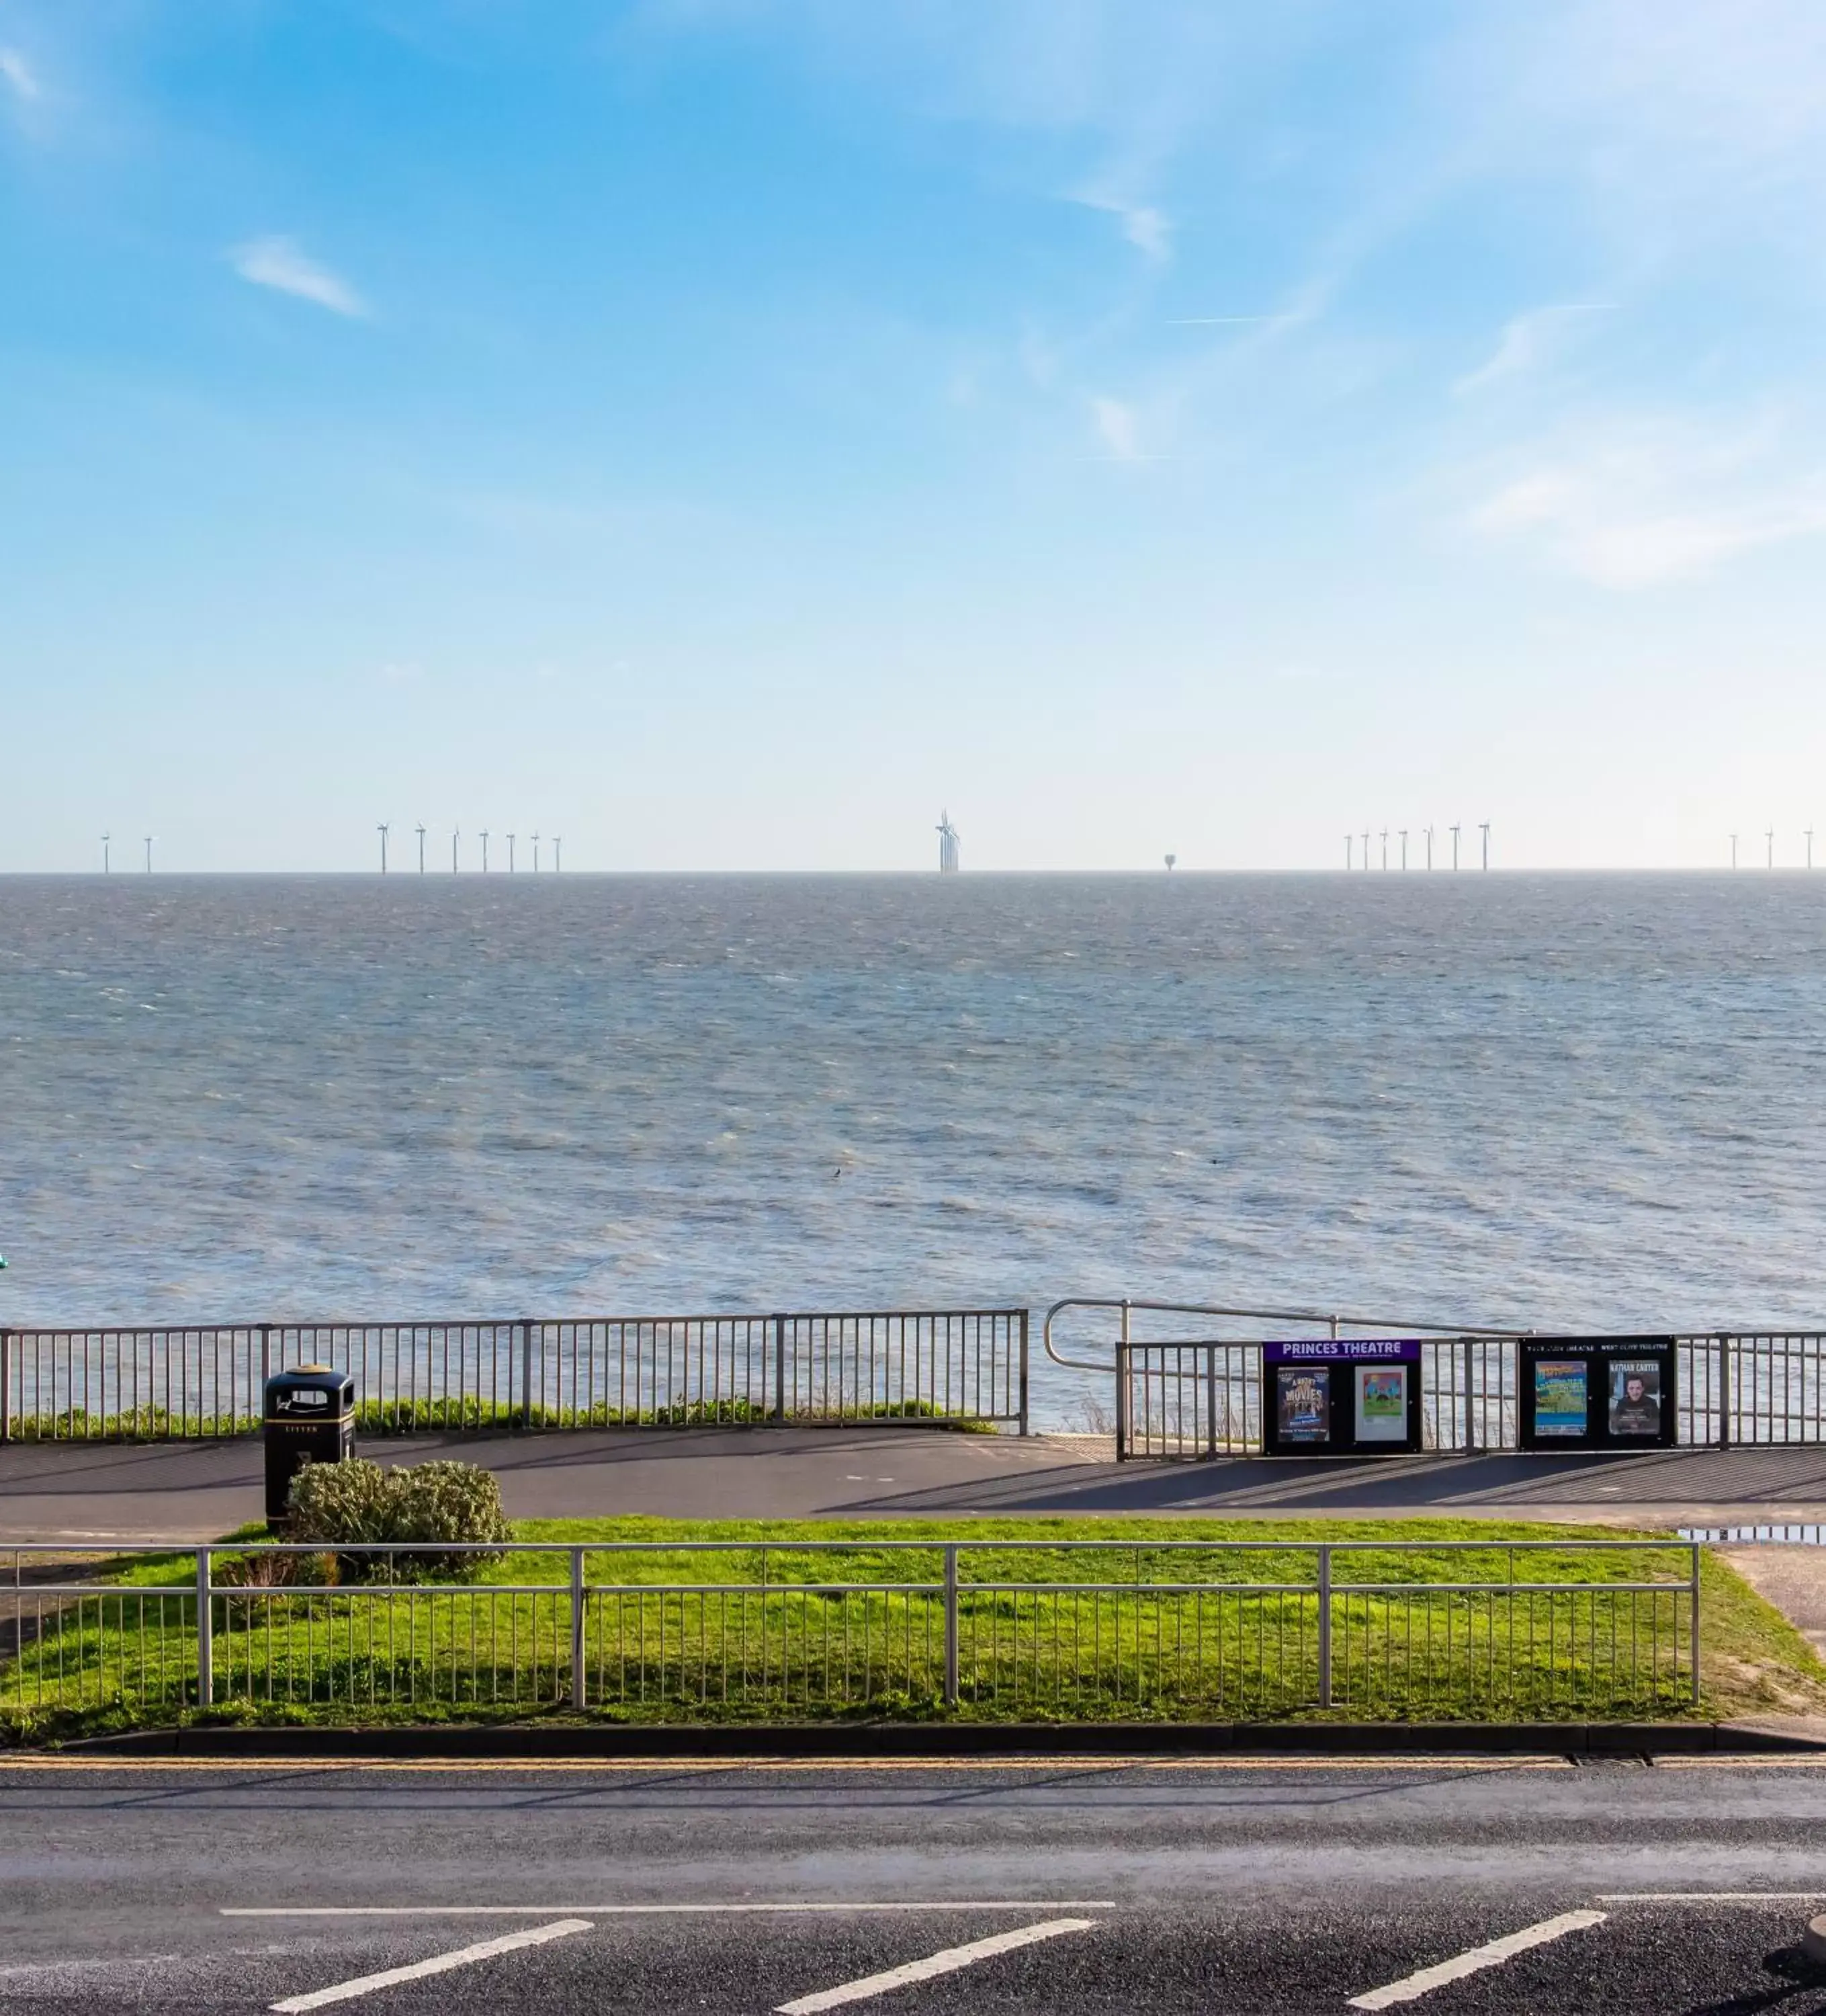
point(195, 1491)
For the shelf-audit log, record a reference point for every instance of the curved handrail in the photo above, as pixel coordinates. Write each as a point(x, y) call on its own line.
point(1126, 1305)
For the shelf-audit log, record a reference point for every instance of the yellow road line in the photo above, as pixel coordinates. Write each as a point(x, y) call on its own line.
point(313, 1766)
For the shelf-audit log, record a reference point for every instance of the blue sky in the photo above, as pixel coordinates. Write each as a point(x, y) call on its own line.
point(728, 432)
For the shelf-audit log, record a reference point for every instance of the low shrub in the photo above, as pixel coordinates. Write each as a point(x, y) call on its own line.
point(351, 1505)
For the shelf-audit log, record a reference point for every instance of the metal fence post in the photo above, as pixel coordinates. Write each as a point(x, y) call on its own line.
point(1724, 1390)
point(1211, 1398)
point(525, 1373)
point(1325, 1626)
point(1693, 1627)
point(780, 1368)
point(1122, 1387)
point(578, 1674)
point(206, 1650)
point(1470, 1432)
point(5, 1385)
point(1023, 1371)
point(951, 1626)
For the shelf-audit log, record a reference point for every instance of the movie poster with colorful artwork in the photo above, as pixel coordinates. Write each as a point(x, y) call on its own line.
point(1303, 1395)
point(1382, 1403)
point(1562, 1405)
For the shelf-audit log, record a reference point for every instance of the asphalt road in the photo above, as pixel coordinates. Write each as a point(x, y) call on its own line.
point(1225, 1887)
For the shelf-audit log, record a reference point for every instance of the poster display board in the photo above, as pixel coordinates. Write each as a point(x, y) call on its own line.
point(1342, 1396)
point(1382, 1403)
point(1597, 1392)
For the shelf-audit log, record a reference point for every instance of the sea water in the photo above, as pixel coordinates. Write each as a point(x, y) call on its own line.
point(1594, 1101)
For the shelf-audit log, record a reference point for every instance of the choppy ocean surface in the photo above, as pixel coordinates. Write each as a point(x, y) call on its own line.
point(1502, 1099)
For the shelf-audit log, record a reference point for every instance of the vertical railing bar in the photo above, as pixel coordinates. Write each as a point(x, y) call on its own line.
point(1325, 1624)
point(206, 1678)
point(579, 1683)
point(950, 1608)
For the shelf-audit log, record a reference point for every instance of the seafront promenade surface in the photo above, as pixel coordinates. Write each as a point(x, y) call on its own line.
point(197, 1491)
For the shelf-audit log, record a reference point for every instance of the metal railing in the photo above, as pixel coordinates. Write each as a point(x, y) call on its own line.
point(205, 1380)
point(1748, 1388)
point(1088, 1629)
point(1188, 1398)
point(1204, 1398)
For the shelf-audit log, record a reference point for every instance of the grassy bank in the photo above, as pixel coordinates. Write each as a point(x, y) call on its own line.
point(774, 1628)
point(469, 1416)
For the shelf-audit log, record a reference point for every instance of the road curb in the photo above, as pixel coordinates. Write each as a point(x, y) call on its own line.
point(941, 1741)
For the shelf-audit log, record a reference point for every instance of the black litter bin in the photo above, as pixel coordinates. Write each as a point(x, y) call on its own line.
point(310, 1418)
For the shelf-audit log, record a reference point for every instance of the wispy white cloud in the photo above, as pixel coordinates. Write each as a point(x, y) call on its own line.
point(19, 76)
point(1531, 342)
point(1641, 504)
point(278, 263)
point(1149, 230)
point(1681, 124)
point(1117, 428)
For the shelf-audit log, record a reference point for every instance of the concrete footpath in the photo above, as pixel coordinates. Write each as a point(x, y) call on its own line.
point(194, 1491)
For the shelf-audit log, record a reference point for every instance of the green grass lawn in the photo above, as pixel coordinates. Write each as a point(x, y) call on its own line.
point(757, 1633)
point(455, 1416)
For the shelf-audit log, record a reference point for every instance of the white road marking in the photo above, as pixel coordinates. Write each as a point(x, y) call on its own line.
point(1711, 1896)
point(947, 1962)
point(656, 1910)
point(1415, 1985)
point(347, 1991)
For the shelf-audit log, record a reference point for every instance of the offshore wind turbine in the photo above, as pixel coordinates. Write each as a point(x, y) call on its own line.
point(149, 841)
point(421, 833)
point(1455, 833)
point(106, 838)
point(455, 835)
point(535, 854)
point(1385, 850)
point(1366, 850)
point(1404, 850)
point(382, 830)
point(485, 850)
point(1770, 836)
point(1483, 827)
point(1349, 858)
point(1809, 847)
point(510, 839)
point(1733, 850)
point(557, 854)
point(1430, 850)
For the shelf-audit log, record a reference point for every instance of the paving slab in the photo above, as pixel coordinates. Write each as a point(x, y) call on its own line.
point(1792, 1579)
